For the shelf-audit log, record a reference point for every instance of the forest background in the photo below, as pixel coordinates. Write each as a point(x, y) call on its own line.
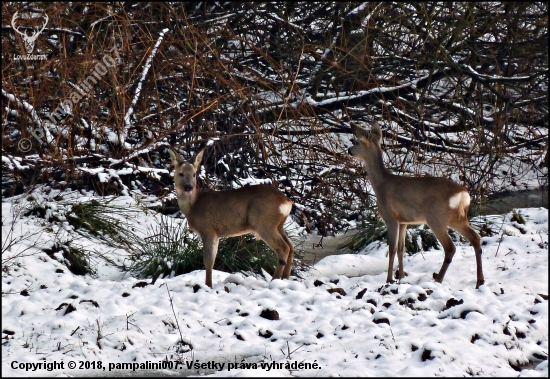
point(460, 90)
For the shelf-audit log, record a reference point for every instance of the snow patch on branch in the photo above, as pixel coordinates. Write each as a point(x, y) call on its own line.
point(361, 8)
point(360, 94)
point(146, 68)
point(147, 149)
point(43, 125)
point(358, 9)
point(13, 162)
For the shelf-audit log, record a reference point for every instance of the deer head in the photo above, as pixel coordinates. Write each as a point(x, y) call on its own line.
point(365, 139)
point(185, 177)
point(29, 41)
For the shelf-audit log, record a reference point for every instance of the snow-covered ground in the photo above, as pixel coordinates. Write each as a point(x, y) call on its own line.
point(105, 325)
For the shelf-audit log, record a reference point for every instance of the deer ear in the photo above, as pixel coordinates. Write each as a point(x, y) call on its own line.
point(198, 159)
point(376, 133)
point(358, 131)
point(175, 158)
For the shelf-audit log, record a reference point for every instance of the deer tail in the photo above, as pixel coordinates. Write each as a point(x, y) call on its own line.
point(464, 204)
point(460, 202)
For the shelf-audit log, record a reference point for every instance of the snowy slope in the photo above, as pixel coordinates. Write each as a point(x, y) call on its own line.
point(414, 328)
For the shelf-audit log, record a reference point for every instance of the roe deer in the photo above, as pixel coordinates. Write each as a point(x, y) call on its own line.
point(403, 200)
point(259, 209)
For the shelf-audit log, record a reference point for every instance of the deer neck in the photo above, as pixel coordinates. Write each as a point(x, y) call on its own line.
point(376, 171)
point(186, 200)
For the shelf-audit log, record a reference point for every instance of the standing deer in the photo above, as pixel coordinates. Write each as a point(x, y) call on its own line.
point(260, 209)
point(403, 200)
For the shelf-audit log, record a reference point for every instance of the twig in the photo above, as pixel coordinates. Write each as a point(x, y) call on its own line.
point(501, 235)
point(74, 331)
point(98, 334)
point(288, 349)
point(128, 320)
point(174, 312)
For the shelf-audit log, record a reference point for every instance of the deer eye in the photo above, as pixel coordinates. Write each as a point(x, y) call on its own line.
point(181, 174)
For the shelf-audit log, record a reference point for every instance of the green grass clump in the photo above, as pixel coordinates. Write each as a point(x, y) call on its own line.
point(370, 230)
point(374, 229)
point(98, 219)
point(74, 257)
point(246, 254)
point(517, 217)
point(170, 250)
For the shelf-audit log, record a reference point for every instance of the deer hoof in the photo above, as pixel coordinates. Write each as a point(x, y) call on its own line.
point(397, 274)
point(436, 277)
point(479, 283)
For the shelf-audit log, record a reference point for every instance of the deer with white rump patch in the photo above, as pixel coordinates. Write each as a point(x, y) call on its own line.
point(259, 209)
point(403, 200)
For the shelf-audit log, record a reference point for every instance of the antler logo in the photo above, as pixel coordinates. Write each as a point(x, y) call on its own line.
point(29, 40)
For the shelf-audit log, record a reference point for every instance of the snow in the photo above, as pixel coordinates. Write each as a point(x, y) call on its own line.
point(43, 126)
point(413, 328)
point(13, 162)
point(363, 93)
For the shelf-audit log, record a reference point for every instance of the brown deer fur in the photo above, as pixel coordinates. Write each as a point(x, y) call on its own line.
point(403, 200)
point(260, 209)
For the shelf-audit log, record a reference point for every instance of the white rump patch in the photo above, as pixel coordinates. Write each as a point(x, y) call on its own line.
point(461, 198)
point(285, 208)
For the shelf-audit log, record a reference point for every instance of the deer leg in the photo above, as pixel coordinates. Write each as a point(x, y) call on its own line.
point(401, 249)
point(393, 231)
point(210, 244)
point(470, 234)
point(290, 259)
point(440, 232)
point(279, 246)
